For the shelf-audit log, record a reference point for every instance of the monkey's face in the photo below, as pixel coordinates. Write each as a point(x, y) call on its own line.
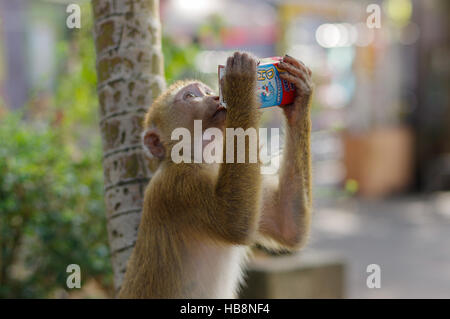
point(196, 101)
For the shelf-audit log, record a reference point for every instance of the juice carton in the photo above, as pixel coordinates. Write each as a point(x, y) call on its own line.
point(271, 89)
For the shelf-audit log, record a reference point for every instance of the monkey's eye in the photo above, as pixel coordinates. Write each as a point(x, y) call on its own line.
point(209, 93)
point(188, 95)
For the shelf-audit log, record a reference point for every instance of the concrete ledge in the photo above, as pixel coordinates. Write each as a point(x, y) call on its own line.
point(294, 277)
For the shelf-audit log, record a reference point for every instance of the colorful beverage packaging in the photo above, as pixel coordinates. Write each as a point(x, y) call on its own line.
point(271, 89)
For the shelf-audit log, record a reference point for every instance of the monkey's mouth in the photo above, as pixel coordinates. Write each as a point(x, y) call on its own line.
point(220, 109)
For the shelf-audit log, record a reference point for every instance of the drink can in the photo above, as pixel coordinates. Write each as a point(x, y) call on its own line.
point(271, 89)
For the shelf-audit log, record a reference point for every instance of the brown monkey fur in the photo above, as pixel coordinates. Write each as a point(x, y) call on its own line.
point(199, 219)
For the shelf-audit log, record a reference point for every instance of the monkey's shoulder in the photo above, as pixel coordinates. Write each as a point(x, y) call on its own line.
point(179, 193)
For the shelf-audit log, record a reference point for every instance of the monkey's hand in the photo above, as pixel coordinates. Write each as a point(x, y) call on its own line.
point(237, 189)
point(239, 87)
point(298, 74)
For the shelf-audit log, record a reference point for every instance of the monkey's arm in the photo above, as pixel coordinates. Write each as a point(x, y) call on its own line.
point(231, 200)
point(287, 202)
point(238, 184)
point(226, 206)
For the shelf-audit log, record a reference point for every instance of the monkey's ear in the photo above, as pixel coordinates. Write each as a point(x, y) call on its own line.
point(152, 143)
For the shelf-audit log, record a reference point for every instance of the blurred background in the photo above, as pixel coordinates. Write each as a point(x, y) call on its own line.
point(381, 138)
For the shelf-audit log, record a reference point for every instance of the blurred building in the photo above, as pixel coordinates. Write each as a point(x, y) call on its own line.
point(30, 32)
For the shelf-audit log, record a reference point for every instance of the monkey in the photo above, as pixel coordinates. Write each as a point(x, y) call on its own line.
point(199, 220)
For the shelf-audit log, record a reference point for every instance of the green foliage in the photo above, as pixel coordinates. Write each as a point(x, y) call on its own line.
point(76, 92)
point(52, 211)
point(179, 61)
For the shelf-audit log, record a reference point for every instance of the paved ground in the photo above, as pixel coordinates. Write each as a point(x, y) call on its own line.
point(408, 237)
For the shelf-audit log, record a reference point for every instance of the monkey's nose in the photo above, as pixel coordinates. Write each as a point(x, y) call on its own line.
point(215, 98)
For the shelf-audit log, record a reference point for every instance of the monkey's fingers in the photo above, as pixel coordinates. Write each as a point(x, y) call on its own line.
point(237, 61)
point(300, 72)
point(229, 64)
point(294, 61)
point(248, 62)
point(303, 87)
point(299, 64)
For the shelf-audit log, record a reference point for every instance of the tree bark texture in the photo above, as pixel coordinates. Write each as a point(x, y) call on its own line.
point(130, 76)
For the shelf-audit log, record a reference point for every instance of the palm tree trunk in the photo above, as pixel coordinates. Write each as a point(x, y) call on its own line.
point(130, 75)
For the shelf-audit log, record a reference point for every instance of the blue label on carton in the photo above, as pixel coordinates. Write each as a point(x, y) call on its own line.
point(271, 89)
point(269, 85)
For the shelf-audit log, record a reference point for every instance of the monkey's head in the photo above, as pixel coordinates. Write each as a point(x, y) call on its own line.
point(178, 107)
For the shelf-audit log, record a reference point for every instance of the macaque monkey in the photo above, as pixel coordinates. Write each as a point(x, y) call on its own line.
point(199, 220)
